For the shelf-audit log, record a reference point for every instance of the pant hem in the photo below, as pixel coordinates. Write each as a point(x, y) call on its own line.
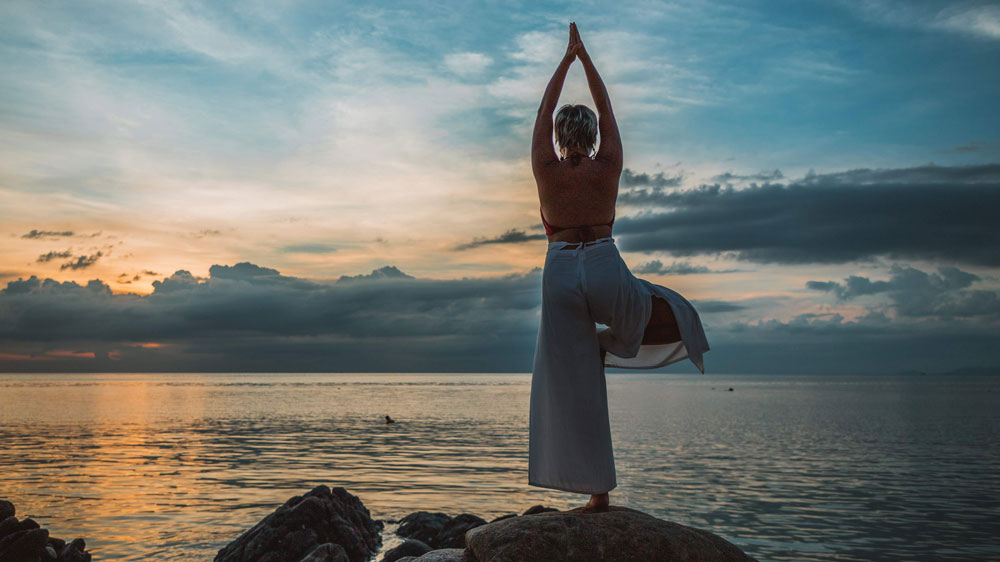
point(568, 489)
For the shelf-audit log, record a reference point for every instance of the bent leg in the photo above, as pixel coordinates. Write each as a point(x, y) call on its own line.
point(662, 327)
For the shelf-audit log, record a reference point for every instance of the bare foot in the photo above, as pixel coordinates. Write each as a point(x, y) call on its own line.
point(598, 502)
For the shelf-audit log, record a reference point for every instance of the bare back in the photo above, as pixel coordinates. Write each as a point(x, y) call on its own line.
point(576, 194)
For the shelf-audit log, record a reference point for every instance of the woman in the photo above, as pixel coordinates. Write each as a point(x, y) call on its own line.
point(585, 282)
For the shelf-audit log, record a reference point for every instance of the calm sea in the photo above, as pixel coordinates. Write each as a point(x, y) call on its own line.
point(174, 466)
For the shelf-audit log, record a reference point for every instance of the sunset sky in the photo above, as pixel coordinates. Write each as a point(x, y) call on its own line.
point(286, 186)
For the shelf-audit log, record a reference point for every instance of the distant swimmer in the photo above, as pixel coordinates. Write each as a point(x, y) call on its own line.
point(389, 420)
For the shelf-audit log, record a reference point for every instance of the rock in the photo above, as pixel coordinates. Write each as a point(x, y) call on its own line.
point(8, 526)
point(410, 547)
point(616, 534)
point(328, 552)
point(422, 525)
point(447, 555)
point(24, 545)
point(74, 551)
point(504, 517)
point(305, 522)
point(452, 535)
point(26, 541)
point(538, 509)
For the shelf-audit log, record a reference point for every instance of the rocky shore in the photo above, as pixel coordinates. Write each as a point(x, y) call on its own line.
point(332, 525)
point(26, 541)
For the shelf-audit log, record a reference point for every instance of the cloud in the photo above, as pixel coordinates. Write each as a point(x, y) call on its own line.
point(246, 314)
point(389, 272)
point(309, 248)
point(712, 307)
point(972, 146)
point(729, 177)
point(468, 63)
point(54, 255)
point(36, 234)
point(631, 179)
point(82, 262)
point(512, 236)
point(917, 294)
point(969, 18)
point(927, 212)
point(676, 268)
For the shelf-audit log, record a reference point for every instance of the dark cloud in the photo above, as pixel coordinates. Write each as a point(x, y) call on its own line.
point(36, 234)
point(928, 212)
point(658, 180)
point(711, 307)
point(765, 176)
point(82, 262)
point(245, 317)
point(918, 294)
point(512, 236)
point(657, 267)
point(389, 272)
point(973, 146)
point(245, 314)
point(53, 255)
point(309, 248)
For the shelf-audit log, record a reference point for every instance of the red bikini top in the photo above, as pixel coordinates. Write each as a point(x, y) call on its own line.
point(550, 230)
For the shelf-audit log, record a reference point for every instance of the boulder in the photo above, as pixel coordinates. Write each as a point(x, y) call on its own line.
point(538, 509)
point(580, 535)
point(410, 547)
point(438, 530)
point(452, 535)
point(303, 523)
point(25, 545)
point(446, 555)
point(6, 509)
point(422, 525)
point(327, 552)
point(74, 551)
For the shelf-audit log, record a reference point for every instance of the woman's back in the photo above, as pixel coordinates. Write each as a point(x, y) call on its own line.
point(578, 193)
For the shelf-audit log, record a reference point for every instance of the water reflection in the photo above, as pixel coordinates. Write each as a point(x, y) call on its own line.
point(789, 468)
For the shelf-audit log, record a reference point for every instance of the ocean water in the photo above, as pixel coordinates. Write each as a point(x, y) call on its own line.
point(174, 466)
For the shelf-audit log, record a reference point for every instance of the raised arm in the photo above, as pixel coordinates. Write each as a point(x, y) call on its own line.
point(542, 150)
point(611, 141)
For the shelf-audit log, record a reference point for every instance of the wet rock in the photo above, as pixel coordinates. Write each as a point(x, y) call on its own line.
point(8, 526)
point(538, 509)
point(618, 533)
point(305, 522)
point(23, 545)
point(422, 525)
point(74, 551)
point(6, 509)
point(410, 547)
point(505, 516)
point(446, 555)
point(328, 552)
point(452, 534)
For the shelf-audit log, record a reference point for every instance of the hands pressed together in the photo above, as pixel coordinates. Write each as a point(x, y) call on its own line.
point(575, 48)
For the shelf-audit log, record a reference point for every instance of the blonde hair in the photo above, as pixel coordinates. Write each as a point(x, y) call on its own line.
point(576, 126)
